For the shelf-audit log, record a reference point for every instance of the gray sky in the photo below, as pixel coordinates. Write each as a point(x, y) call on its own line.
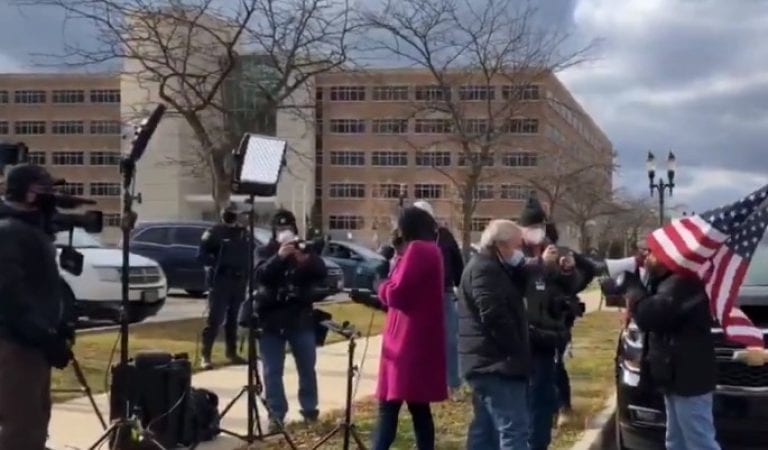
point(685, 75)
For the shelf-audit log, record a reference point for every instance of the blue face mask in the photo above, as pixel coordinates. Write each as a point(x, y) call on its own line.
point(516, 259)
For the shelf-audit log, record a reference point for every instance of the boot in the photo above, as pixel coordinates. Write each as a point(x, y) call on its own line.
point(236, 360)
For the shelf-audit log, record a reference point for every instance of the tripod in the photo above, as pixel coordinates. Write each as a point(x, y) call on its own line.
point(346, 426)
point(84, 389)
point(253, 387)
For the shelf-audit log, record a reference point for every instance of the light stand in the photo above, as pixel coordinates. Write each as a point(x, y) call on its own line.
point(347, 427)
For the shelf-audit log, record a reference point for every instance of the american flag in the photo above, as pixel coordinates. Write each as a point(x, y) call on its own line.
point(717, 246)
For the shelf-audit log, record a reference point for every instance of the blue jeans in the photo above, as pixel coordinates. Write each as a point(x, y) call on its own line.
point(500, 410)
point(542, 400)
point(272, 348)
point(690, 425)
point(451, 340)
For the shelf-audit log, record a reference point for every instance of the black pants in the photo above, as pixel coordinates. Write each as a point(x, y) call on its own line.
point(562, 381)
point(224, 299)
point(423, 426)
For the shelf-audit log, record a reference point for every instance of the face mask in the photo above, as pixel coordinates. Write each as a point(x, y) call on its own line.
point(285, 236)
point(534, 236)
point(516, 259)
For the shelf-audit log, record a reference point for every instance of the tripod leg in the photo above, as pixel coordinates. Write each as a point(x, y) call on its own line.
point(113, 429)
point(233, 401)
point(87, 390)
point(327, 437)
point(357, 438)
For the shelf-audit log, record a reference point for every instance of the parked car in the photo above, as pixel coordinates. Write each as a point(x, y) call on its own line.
point(97, 291)
point(363, 268)
point(741, 399)
point(174, 246)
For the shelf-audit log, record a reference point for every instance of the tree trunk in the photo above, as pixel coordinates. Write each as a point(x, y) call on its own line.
point(220, 180)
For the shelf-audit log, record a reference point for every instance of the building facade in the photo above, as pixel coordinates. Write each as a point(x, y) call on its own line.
point(71, 124)
point(375, 144)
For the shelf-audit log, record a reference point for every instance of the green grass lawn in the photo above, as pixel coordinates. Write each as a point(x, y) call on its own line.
point(591, 371)
point(94, 351)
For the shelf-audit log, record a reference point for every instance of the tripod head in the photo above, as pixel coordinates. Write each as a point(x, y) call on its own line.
point(344, 329)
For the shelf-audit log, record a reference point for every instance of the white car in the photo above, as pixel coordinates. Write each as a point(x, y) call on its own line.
point(97, 292)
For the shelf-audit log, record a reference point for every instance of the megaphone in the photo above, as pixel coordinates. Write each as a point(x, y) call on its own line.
point(614, 268)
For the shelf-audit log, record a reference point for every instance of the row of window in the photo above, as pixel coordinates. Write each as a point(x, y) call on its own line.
point(75, 158)
point(429, 126)
point(351, 222)
point(95, 189)
point(399, 93)
point(429, 159)
point(485, 191)
point(65, 96)
point(62, 127)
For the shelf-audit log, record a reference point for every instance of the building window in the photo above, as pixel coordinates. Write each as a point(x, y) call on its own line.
point(483, 192)
point(68, 159)
point(389, 126)
point(476, 93)
point(432, 94)
point(485, 161)
point(347, 158)
point(345, 222)
point(480, 223)
point(390, 93)
point(29, 97)
point(102, 189)
point(348, 126)
point(476, 126)
point(389, 159)
point(37, 158)
point(390, 190)
point(516, 192)
point(3, 97)
point(433, 159)
point(432, 126)
point(104, 158)
point(105, 96)
point(527, 92)
point(346, 190)
point(72, 189)
point(520, 159)
point(110, 127)
point(428, 191)
point(4, 129)
point(524, 126)
point(29, 127)
point(69, 96)
point(318, 190)
point(68, 127)
point(112, 220)
point(347, 93)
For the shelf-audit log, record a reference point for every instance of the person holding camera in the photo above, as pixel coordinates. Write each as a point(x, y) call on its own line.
point(224, 253)
point(288, 275)
point(32, 337)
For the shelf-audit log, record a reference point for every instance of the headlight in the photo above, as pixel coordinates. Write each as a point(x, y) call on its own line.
point(108, 274)
point(632, 343)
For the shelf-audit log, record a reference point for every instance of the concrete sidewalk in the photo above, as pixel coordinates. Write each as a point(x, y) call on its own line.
point(75, 426)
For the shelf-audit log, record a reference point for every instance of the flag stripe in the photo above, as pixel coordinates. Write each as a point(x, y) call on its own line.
point(693, 235)
point(687, 252)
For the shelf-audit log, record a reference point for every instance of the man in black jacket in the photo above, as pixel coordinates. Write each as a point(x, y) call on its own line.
point(678, 351)
point(287, 279)
point(494, 350)
point(31, 336)
point(453, 266)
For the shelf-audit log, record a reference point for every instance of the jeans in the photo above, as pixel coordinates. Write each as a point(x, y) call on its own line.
point(224, 301)
point(451, 340)
point(563, 382)
point(500, 408)
point(386, 429)
point(542, 400)
point(690, 425)
point(272, 348)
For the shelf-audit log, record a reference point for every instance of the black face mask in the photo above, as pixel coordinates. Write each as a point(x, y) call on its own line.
point(229, 217)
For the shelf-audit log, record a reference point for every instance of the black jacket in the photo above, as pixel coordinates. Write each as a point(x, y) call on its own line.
point(493, 328)
point(453, 261)
point(224, 251)
point(286, 290)
point(30, 287)
point(679, 349)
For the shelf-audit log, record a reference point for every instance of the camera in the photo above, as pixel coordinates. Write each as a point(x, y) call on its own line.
point(310, 246)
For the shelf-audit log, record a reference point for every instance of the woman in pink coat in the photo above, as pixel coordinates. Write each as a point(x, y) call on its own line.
point(412, 368)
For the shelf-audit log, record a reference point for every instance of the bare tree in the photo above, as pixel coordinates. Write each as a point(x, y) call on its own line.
point(636, 217)
point(467, 49)
point(188, 50)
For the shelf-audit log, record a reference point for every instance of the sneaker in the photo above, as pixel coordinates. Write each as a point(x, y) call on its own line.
point(237, 360)
point(205, 364)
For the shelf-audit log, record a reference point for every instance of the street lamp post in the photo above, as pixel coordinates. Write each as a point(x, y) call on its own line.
point(661, 186)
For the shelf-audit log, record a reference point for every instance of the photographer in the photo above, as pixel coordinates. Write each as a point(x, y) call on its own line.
point(287, 276)
point(224, 252)
point(32, 339)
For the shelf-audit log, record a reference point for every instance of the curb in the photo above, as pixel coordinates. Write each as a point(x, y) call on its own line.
point(598, 434)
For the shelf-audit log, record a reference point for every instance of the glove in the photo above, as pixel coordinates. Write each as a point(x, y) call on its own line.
point(58, 352)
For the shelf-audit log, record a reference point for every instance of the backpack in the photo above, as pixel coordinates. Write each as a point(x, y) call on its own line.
point(202, 420)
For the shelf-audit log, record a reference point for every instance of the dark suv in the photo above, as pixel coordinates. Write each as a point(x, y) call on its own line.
point(741, 398)
point(174, 246)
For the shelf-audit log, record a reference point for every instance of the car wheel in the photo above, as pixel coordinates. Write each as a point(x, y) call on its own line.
point(196, 294)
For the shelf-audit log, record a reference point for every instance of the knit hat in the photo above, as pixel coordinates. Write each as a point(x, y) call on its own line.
point(532, 214)
point(284, 218)
point(22, 177)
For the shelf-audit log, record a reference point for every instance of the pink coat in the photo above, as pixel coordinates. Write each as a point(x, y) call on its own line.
point(413, 363)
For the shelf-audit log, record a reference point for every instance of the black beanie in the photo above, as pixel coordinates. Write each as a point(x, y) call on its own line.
point(532, 214)
point(415, 224)
point(20, 178)
point(284, 218)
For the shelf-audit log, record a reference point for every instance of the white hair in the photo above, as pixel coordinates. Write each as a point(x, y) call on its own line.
point(424, 206)
point(499, 230)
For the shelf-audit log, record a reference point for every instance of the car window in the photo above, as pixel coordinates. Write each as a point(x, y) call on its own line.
point(363, 251)
point(337, 251)
point(188, 236)
point(154, 235)
point(757, 275)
